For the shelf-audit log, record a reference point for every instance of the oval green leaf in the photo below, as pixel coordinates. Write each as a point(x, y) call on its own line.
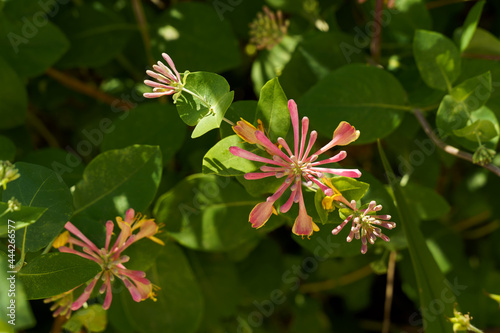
point(54, 273)
point(117, 180)
point(369, 98)
point(41, 187)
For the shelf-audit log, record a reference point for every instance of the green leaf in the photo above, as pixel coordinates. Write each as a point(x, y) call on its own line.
point(23, 315)
point(218, 160)
point(151, 124)
point(482, 129)
point(117, 180)
point(54, 273)
point(483, 42)
point(22, 218)
point(208, 113)
point(451, 115)
point(470, 24)
point(474, 92)
point(468, 96)
point(7, 149)
point(196, 38)
point(214, 118)
point(179, 307)
point(93, 318)
point(13, 97)
point(432, 285)
point(41, 187)
point(205, 212)
point(426, 203)
point(272, 109)
point(369, 98)
point(30, 42)
point(350, 188)
point(438, 59)
point(97, 35)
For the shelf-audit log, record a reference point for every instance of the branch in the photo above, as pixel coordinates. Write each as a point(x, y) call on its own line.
point(141, 20)
point(481, 56)
point(377, 34)
point(447, 148)
point(389, 291)
point(86, 89)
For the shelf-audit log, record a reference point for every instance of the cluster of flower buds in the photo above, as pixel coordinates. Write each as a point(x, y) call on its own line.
point(8, 173)
point(461, 322)
point(268, 29)
point(483, 155)
point(110, 258)
point(365, 224)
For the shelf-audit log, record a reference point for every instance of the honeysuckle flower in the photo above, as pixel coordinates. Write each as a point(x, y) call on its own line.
point(246, 131)
point(268, 29)
point(365, 225)
point(138, 221)
point(169, 79)
point(298, 166)
point(327, 202)
point(8, 173)
point(110, 258)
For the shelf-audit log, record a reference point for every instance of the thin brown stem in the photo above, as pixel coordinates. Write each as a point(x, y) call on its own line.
point(447, 148)
point(441, 3)
point(377, 34)
point(40, 127)
point(389, 291)
point(341, 281)
point(494, 57)
point(86, 89)
point(143, 27)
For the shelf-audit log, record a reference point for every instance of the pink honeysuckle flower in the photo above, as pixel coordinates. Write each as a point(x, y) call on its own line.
point(365, 224)
point(169, 79)
point(298, 166)
point(111, 260)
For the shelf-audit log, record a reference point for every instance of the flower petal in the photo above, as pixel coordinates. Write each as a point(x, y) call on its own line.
point(294, 116)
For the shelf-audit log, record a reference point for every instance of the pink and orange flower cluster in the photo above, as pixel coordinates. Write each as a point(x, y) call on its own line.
point(298, 166)
point(110, 258)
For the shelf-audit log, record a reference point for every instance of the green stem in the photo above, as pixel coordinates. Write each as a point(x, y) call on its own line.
point(228, 121)
point(20, 263)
